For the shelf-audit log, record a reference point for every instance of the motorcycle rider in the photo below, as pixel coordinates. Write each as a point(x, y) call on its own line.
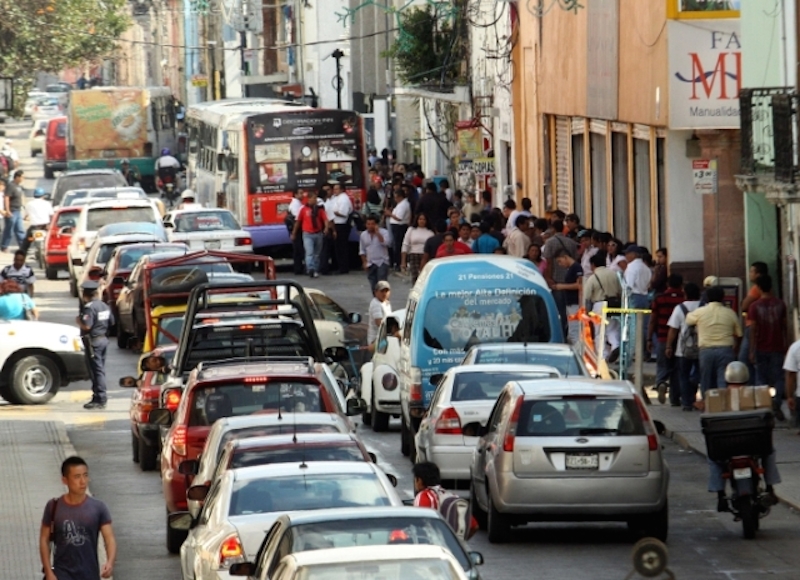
point(188, 200)
point(167, 168)
point(131, 174)
point(38, 211)
point(737, 375)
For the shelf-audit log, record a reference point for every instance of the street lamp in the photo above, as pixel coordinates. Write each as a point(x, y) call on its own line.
point(337, 80)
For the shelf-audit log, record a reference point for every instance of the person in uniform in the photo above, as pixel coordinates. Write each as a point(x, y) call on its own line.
point(94, 321)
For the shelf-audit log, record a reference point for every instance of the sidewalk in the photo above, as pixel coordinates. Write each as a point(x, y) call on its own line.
point(31, 454)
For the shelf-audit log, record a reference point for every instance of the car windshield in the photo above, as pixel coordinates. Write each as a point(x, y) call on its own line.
point(168, 328)
point(418, 569)
point(129, 256)
point(236, 341)
point(297, 452)
point(306, 491)
point(573, 415)
point(67, 218)
point(75, 195)
point(102, 216)
point(378, 532)
point(480, 386)
point(566, 362)
point(461, 319)
point(85, 181)
point(206, 221)
point(265, 430)
point(216, 400)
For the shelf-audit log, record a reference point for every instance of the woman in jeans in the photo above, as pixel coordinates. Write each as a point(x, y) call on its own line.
point(313, 223)
point(414, 246)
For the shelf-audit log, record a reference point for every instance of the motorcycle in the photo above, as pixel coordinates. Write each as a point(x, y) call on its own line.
point(748, 502)
point(37, 244)
point(167, 184)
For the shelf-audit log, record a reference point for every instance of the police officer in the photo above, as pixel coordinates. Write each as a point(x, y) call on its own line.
point(94, 321)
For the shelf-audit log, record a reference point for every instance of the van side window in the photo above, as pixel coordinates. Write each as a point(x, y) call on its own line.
point(412, 308)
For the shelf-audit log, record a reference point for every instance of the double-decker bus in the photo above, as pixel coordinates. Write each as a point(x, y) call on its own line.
point(250, 155)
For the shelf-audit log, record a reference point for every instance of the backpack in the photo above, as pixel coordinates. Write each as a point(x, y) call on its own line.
point(456, 512)
point(691, 349)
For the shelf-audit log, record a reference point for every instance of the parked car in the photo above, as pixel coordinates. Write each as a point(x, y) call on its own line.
point(379, 379)
point(30, 103)
point(244, 502)
point(57, 240)
point(372, 527)
point(576, 449)
point(207, 229)
point(335, 325)
point(227, 389)
point(47, 107)
point(84, 178)
point(37, 136)
point(55, 147)
point(465, 394)
point(561, 356)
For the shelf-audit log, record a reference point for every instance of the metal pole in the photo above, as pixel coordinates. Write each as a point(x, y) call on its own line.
point(638, 361)
point(337, 56)
point(243, 42)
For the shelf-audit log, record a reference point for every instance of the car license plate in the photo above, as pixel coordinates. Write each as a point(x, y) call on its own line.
point(582, 461)
point(213, 245)
point(742, 473)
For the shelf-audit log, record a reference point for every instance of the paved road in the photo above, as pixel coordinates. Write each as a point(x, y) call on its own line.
point(703, 544)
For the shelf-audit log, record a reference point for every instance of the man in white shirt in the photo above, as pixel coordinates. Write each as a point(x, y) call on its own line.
point(38, 211)
point(586, 250)
point(329, 238)
point(379, 308)
point(676, 339)
point(399, 219)
point(342, 208)
point(637, 276)
point(298, 252)
point(9, 151)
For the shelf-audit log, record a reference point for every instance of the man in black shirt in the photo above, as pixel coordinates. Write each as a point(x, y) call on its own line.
point(12, 211)
point(432, 244)
point(571, 287)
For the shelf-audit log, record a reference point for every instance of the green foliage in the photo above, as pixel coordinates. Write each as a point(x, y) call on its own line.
point(50, 35)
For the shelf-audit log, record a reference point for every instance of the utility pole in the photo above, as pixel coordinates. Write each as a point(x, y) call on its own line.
point(243, 40)
point(337, 80)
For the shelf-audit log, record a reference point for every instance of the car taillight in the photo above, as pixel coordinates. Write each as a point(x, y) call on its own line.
point(449, 422)
point(511, 432)
point(230, 551)
point(242, 242)
point(179, 440)
point(172, 398)
point(415, 390)
point(652, 436)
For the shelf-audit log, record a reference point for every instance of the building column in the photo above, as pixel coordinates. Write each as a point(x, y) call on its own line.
point(725, 209)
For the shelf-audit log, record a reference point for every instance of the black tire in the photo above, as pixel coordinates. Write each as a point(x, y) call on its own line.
point(50, 273)
point(479, 515)
point(177, 282)
point(73, 287)
point(497, 524)
point(654, 525)
point(175, 539)
point(379, 420)
point(35, 380)
point(404, 447)
point(48, 173)
point(147, 456)
point(649, 557)
point(749, 516)
point(134, 447)
point(5, 393)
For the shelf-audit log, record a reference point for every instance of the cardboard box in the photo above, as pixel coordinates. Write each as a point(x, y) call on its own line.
point(747, 398)
point(716, 401)
point(763, 397)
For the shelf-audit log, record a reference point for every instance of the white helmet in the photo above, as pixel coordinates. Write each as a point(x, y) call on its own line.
point(736, 373)
point(188, 194)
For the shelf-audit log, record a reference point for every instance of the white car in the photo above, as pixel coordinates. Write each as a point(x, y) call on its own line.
point(30, 103)
point(54, 357)
point(96, 215)
point(466, 394)
point(37, 137)
point(243, 503)
point(47, 107)
point(379, 379)
point(561, 356)
point(409, 562)
point(207, 229)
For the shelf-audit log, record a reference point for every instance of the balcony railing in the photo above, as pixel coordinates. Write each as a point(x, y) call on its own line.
point(769, 124)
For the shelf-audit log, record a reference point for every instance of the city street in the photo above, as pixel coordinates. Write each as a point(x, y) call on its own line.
point(702, 543)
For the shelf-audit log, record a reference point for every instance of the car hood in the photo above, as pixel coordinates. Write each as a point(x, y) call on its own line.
point(252, 529)
point(22, 328)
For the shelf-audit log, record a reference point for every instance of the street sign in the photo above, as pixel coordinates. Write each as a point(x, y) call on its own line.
point(199, 81)
point(704, 176)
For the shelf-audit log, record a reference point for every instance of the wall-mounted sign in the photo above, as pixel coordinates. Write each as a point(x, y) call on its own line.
point(704, 176)
point(703, 9)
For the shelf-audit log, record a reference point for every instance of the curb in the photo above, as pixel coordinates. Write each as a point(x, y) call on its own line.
point(684, 442)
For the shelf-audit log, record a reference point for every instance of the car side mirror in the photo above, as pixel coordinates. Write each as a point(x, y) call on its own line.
point(436, 379)
point(474, 430)
point(39, 133)
point(127, 382)
point(242, 569)
point(356, 407)
point(476, 558)
point(661, 429)
point(153, 363)
point(373, 457)
point(198, 492)
point(336, 353)
point(66, 231)
point(392, 479)
point(354, 317)
point(409, 501)
point(169, 225)
point(180, 521)
point(189, 467)
point(160, 416)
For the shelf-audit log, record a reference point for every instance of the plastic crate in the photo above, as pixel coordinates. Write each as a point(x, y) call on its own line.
point(738, 433)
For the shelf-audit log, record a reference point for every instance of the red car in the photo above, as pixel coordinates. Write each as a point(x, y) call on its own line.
point(145, 437)
point(59, 234)
point(227, 389)
point(55, 147)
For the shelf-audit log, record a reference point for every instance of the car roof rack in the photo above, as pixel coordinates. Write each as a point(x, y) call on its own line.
point(306, 361)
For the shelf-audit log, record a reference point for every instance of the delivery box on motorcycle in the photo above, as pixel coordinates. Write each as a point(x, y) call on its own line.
point(737, 399)
point(735, 433)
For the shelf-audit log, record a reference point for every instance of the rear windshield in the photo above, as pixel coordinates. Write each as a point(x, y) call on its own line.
point(206, 221)
point(102, 216)
point(61, 129)
point(265, 430)
point(479, 386)
point(461, 319)
point(566, 362)
point(230, 400)
point(169, 330)
point(427, 568)
point(579, 416)
point(298, 452)
point(67, 218)
point(222, 342)
point(90, 181)
point(377, 532)
point(129, 257)
point(307, 492)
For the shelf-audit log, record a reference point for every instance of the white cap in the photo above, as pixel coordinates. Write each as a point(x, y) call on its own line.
point(187, 194)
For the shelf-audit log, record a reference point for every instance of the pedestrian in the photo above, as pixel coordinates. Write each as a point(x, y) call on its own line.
point(429, 203)
point(486, 200)
point(374, 245)
point(444, 189)
point(327, 258)
point(791, 366)
point(768, 331)
point(471, 208)
point(718, 336)
point(342, 208)
point(398, 219)
point(14, 198)
point(572, 225)
point(9, 153)
point(685, 355)
point(572, 287)
point(94, 321)
point(413, 247)
point(312, 223)
point(379, 308)
point(15, 304)
point(20, 273)
point(535, 256)
point(616, 255)
point(433, 243)
point(603, 286)
point(517, 241)
point(454, 219)
point(510, 213)
point(38, 212)
point(427, 485)
point(458, 199)
point(297, 241)
point(757, 269)
point(451, 247)
point(662, 308)
point(73, 522)
point(586, 249)
point(637, 277)
point(555, 273)
point(465, 235)
point(658, 282)
point(374, 202)
point(486, 242)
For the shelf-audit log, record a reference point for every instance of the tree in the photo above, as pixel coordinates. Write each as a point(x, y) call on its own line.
point(51, 35)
